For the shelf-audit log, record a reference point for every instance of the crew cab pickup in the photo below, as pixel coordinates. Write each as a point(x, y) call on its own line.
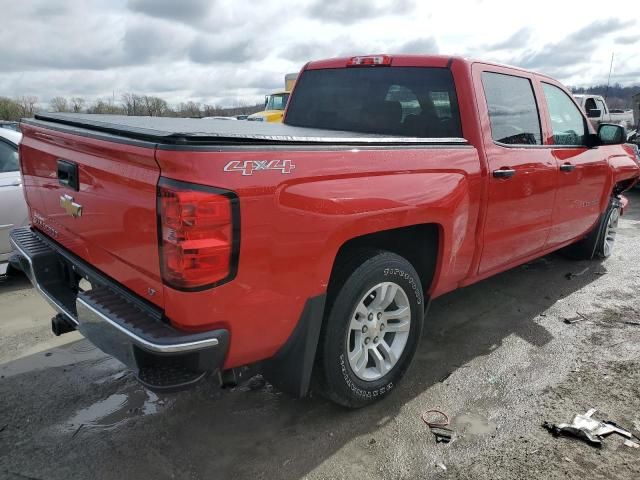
point(311, 249)
point(598, 112)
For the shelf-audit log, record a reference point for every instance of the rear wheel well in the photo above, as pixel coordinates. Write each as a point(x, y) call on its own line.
point(417, 243)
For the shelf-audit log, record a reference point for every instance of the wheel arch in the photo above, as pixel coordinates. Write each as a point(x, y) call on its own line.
point(420, 244)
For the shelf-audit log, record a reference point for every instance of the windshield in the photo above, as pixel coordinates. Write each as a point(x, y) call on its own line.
point(277, 101)
point(403, 101)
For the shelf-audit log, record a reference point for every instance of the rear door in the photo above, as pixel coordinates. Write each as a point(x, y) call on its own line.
point(582, 171)
point(522, 172)
point(13, 209)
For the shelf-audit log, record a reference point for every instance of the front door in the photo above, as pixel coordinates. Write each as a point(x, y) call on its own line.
point(582, 171)
point(522, 173)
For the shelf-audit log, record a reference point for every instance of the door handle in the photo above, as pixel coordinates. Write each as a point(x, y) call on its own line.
point(504, 173)
point(68, 174)
point(16, 183)
point(567, 167)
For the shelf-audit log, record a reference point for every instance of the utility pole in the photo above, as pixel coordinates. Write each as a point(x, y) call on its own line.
point(606, 92)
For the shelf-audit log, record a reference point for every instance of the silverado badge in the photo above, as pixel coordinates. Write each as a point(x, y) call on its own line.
point(72, 208)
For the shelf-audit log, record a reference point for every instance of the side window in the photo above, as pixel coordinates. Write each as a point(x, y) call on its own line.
point(513, 111)
point(567, 122)
point(8, 158)
point(589, 104)
point(601, 107)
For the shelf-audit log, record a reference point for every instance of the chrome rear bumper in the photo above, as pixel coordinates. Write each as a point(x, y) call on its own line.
point(117, 321)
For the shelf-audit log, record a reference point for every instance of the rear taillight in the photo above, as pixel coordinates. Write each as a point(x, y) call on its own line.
point(198, 234)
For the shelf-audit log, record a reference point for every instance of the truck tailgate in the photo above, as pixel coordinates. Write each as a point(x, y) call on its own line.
point(110, 219)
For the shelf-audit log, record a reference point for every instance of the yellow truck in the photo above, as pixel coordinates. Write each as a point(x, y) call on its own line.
point(275, 103)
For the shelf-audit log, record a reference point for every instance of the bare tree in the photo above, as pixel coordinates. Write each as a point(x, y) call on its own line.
point(189, 109)
point(108, 107)
point(155, 106)
point(77, 104)
point(212, 110)
point(133, 104)
point(27, 105)
point(58, 104)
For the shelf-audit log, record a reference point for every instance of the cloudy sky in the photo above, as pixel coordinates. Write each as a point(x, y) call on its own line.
point(230, 51)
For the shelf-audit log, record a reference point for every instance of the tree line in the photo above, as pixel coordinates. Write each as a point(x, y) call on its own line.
point(128, 104)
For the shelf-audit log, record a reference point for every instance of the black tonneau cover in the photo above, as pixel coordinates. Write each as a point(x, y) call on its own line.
point(169, 130)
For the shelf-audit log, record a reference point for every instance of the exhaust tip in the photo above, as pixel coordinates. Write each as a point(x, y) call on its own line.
point(60, 325)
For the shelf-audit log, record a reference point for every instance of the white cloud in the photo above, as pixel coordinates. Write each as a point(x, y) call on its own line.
point(225, 51)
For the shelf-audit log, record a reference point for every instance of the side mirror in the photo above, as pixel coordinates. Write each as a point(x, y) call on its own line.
point(611, 134)
point(594, 113)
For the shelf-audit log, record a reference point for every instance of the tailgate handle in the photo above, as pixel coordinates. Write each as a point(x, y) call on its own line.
point(68, 174)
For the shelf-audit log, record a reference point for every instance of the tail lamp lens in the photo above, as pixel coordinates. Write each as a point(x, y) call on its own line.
point(196, 228)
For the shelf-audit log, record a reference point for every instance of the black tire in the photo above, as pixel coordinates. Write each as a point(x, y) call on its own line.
point(593, 245)
point(353, 280)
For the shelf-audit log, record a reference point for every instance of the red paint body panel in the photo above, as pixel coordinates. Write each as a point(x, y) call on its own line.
point(292, 225)
point(117, 232)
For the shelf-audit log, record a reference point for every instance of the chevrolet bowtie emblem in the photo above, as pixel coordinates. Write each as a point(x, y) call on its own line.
point(72, 208)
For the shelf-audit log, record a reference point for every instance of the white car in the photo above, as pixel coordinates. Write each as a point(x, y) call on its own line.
point(13, 208)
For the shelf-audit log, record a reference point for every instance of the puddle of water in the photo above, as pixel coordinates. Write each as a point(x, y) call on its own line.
point(115, 410)
point(473, 424)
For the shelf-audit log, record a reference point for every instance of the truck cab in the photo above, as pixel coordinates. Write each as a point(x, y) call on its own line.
point(276, 103)
point(274, 106)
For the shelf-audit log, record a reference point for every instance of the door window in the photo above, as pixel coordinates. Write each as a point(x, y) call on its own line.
point(601, 106)
point(8, 158)
point(513, 111)
point(590, 104)
point(567, 122)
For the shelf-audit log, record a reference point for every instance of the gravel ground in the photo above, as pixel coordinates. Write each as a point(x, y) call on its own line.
point(497, 357)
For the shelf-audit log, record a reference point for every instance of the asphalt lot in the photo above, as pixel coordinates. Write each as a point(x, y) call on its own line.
point(497, 357)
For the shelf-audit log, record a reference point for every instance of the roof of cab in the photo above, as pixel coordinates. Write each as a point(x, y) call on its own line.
point(441, 61)
point(396, 61)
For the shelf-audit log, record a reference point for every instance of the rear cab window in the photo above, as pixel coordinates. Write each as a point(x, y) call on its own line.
point(397, 101)
point(513, 111)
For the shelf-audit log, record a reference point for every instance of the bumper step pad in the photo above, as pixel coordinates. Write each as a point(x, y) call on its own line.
point(169, 377)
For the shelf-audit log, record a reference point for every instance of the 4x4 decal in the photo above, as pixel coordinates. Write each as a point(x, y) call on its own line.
point(247, 167)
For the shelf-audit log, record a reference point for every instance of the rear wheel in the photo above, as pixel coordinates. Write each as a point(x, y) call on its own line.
point(372, 329)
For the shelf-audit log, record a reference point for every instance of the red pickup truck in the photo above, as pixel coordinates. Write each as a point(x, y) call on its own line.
point(311, 249)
